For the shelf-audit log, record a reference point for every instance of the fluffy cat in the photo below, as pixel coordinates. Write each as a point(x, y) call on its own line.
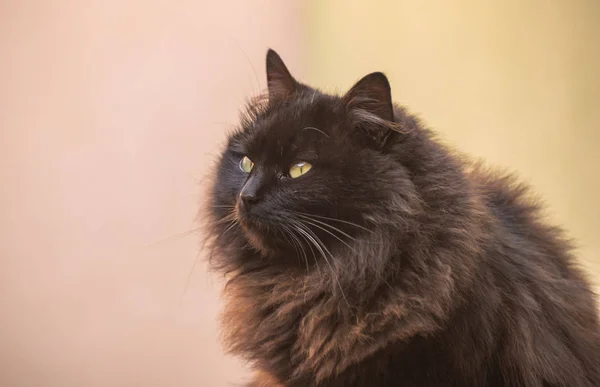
point(359, 251)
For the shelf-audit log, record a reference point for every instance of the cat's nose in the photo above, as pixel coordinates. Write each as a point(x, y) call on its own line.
point(248, 199)
point(252, 191)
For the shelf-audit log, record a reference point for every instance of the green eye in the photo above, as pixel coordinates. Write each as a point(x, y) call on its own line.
point(299, 169)
point(246, 164)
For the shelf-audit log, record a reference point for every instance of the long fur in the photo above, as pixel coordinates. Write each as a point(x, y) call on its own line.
point(440, 273)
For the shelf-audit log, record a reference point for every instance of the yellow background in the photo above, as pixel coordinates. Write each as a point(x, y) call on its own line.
point(516, 83)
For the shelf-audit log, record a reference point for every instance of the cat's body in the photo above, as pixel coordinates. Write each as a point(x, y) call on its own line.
point(391, 262)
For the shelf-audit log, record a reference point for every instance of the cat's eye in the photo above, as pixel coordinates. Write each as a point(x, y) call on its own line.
point(299, 169)
point(246, 164)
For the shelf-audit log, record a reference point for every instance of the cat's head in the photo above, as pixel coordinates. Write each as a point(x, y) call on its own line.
point(308, 173)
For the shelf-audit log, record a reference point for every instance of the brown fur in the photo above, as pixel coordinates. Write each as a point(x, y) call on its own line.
point(439, 272)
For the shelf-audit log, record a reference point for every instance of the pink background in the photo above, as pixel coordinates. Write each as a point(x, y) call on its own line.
point(111, 113)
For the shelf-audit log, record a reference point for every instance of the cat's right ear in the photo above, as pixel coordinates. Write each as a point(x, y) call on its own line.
point(280, 82)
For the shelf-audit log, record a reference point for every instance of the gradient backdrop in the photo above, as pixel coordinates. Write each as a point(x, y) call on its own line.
point(111, 113)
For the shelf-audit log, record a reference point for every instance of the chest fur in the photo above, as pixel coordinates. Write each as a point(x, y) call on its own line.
point(300, 330)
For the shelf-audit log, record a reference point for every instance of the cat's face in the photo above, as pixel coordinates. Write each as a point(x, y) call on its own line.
point(307, 171)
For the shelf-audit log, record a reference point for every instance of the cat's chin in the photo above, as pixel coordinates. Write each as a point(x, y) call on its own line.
point(265, 245)
point(255, 238)
point(256, 241)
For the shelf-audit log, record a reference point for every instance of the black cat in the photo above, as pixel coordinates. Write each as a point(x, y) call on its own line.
point(359, 251)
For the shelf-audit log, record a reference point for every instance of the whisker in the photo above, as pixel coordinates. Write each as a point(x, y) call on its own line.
point(305, 261)
point(233, 224)
point(315, 129)
point(225, 219)
point(228, 217)
point(249, 61)
point(214, 243)
point(189, 277)
point(327, 225)
point(310, 246)
point(332, 234)
point(303, 254)
point(335, 220)
point(321, 247)
point(175, 237)
point(298, 243)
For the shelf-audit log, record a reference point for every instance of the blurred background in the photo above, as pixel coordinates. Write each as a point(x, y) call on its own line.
point(111, 113)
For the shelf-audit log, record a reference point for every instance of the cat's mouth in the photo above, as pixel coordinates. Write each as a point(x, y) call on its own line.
point(253, 229)
point(242, 217)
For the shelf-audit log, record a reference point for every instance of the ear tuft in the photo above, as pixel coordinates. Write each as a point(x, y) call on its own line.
point(280, 82)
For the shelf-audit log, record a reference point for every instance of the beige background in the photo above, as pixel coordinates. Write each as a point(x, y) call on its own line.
point(111, 112)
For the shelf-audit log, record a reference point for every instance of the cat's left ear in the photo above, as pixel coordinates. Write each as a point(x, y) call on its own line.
point(369, 106)
point(280, 82)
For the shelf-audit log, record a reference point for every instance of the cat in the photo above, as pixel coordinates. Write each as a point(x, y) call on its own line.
point(360, 251)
